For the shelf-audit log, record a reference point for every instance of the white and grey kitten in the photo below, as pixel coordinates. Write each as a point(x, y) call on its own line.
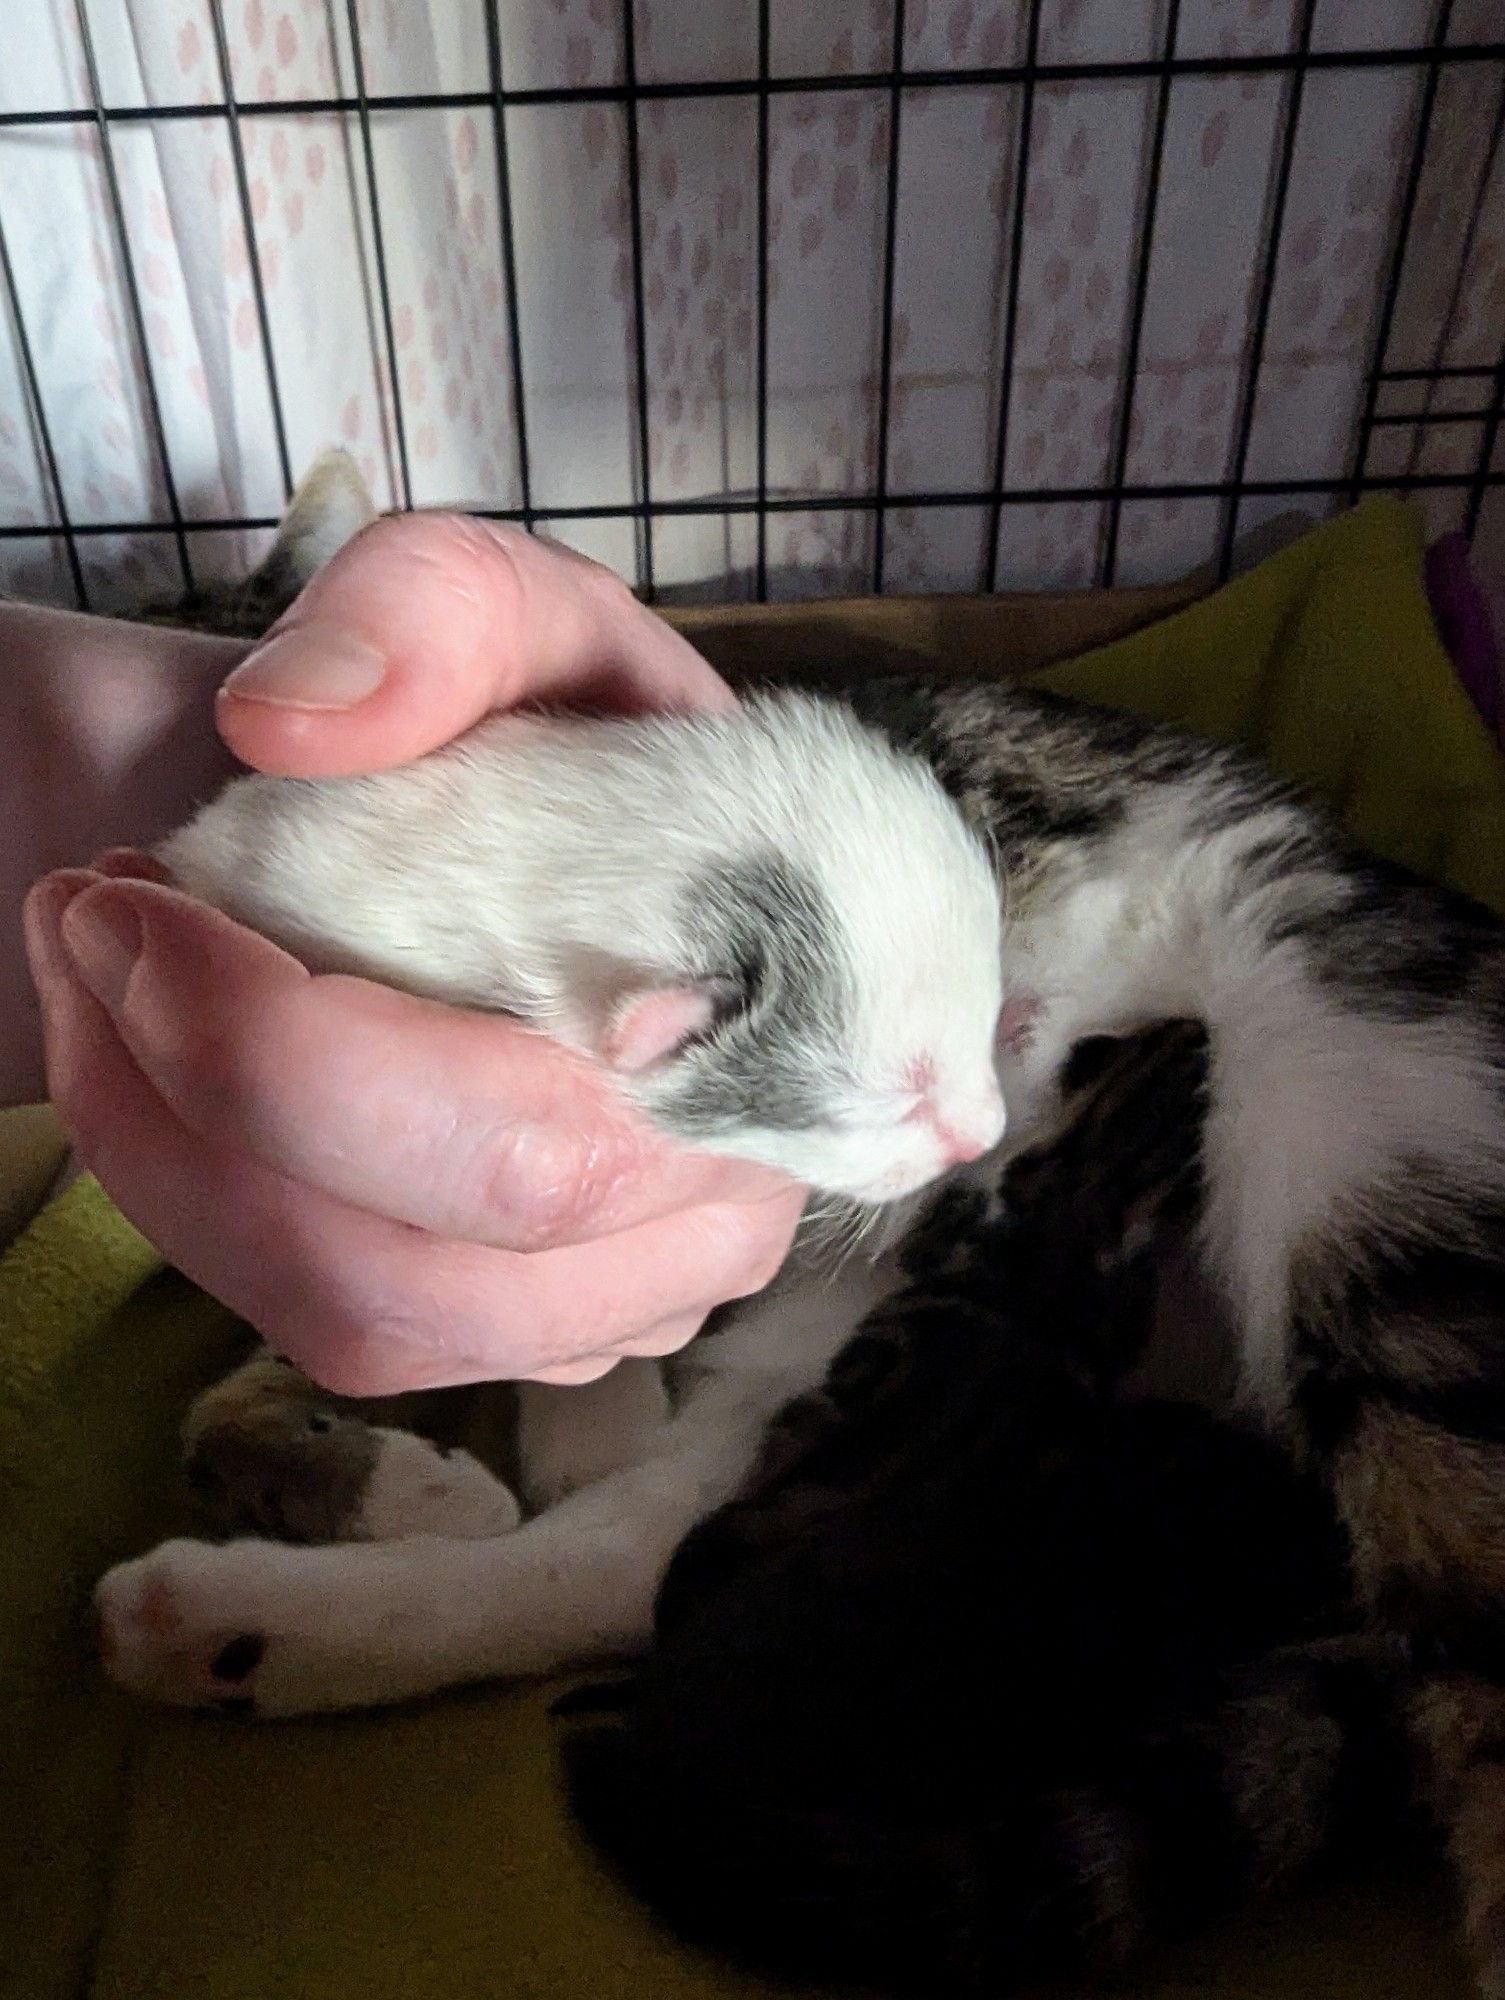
point(773, 926)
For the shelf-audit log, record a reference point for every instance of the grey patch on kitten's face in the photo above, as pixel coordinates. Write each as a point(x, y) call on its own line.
point(771, 926)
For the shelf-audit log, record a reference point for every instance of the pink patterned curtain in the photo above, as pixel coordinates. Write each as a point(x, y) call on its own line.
point(447, 303)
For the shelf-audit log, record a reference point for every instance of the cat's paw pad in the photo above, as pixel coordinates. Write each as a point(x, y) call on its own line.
point(415, 1489)
point(166, 1632)
point(274, 1630)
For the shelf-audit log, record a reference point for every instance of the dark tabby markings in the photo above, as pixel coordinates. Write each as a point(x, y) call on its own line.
point(1405, 949)
point(231, 610)
point(265, 1454)
point(1459, 1720)
point(1028, 798)
point(1427, 1510)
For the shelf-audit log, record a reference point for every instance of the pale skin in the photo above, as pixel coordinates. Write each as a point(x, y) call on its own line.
point(396, 1194)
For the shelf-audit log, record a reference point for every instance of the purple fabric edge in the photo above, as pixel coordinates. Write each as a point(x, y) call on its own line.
point(1466, 628)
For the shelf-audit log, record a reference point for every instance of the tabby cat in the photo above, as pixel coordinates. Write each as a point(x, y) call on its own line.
point(1351, 1228)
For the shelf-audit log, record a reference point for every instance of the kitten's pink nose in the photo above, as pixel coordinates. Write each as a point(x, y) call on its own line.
point(957, 1150)
point(959, 1142)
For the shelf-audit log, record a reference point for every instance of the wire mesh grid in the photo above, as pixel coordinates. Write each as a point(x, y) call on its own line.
point(1401, 403)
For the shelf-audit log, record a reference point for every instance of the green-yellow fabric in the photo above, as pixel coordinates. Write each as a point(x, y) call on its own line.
point(426, 1854)
point(1326, 661)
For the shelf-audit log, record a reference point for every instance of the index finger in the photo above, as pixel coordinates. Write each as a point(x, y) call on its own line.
point(425, 623)
point(464, 1124)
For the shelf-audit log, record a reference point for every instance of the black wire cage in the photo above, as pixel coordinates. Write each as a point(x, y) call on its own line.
point(1425, 394)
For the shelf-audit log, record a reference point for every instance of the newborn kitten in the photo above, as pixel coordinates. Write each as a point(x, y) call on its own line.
point(774, 928)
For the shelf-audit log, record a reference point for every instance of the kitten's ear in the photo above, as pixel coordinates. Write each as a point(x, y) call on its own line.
point(329, 508)
point(648, 1026)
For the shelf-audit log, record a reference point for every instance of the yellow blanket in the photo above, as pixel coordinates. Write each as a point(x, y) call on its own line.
point(425, 1854)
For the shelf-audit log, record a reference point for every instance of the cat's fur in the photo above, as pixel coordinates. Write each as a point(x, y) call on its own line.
point(1353, 1227)
point(992, 1670)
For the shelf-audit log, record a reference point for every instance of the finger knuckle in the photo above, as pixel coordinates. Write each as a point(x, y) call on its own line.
point(543, 1186)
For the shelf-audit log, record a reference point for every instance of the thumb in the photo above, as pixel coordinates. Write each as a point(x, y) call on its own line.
point(423, 624)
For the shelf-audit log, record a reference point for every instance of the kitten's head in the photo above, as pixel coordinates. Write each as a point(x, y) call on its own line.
point(774, 927)
point(843, 1020)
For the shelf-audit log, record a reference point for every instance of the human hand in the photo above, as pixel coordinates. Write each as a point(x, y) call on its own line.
point(395, 1193)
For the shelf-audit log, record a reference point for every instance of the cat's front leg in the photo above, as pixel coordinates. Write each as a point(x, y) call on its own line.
point(570, 1438)
point(281, 1630)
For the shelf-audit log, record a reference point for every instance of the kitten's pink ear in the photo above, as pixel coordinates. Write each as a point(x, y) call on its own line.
point(645, 1028)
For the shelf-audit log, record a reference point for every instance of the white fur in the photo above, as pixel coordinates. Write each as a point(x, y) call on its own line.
point(330, 507)
point(1318, 1111)
point(545, 868)
point(415, 1489)
point(569, 1438)
point(361, 1623)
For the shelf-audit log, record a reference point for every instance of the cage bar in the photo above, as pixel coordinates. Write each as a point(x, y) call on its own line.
point(1011, 308)
point(761, 574)
point(1375, 374)
point(886, 328)
point(248, 225)
point(1249, 402)
point(509, 253)
point(1486, 477)
point(132, 294)
point(1273, 63)
point(1460, 278)
point(834, 503)
point(1112, 489)
point(384, 291)
point(1483, 373)
point(1425, 419)
point(33, 385)
point(639, 314)
point(1143, 250)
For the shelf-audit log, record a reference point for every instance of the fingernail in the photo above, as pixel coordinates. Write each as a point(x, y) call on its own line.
point(102, 935)
point(311, 666)
point(42, 918)
point(129, 864)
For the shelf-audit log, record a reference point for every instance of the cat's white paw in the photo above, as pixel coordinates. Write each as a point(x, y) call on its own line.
point(260, 1627)
point(415, 1489)
point(179, 1626)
